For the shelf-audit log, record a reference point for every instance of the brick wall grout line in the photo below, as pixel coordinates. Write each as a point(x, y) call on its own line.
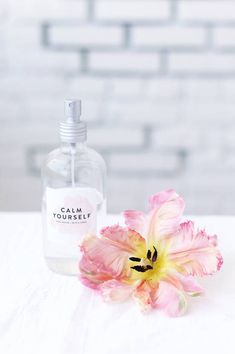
point(210, 36)
point(84, 53)
point(127, 34)
point(163, 62)
point(45, 34)
point(91, 10)
point(147, 132)
point(174, 11)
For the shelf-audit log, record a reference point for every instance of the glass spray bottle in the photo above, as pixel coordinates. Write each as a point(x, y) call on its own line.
point(74, 198)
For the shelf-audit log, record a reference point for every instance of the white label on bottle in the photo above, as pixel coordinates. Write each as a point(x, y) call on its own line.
point(71, 213)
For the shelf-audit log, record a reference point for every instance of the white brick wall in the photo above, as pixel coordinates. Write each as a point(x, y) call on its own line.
point(43, 10)
point(224, 37)
point(207, 11)
point(169, 36)
point(127, 89)
point(123, 138)
point(207, 63)
point(145, 113)
point(132, 10)
point(137, 163)
point(44, 62)
point(124, 62)
point(157, 80)
point(182, 137)
point(87, 35)
point(164, 89)
point(88, 86)
point(205, 90)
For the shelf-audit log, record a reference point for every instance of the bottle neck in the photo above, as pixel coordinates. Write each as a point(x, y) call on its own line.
point(72, 148)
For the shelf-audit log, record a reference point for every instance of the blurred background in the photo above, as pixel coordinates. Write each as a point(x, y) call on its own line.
point(157, 80)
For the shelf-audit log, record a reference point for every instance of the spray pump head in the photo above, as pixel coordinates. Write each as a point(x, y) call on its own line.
point(72, 129)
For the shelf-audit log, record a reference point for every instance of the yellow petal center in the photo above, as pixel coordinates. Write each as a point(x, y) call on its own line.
point(148, 264)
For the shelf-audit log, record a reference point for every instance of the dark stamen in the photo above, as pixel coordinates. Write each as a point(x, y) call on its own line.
point(142, 269)
point(139, 268)
point(134, 259)
point(148, 266)
point(149, 254)
point(154, 258)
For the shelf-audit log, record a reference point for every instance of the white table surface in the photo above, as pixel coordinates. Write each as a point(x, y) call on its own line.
point(41, 312)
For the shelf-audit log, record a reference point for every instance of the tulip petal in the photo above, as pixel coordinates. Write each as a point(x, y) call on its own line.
point(187, 284)
point(145, 296)
point(125, 239)
point(166, 212)
point(194, 252)
point(136, 220)
point(107, 257)
point(90, 274)
point(115, 291)
point(191, 286)
point(170, 299)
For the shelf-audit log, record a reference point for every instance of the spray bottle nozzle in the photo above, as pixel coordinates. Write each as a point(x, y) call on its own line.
point(72, 109)
point(72, 130)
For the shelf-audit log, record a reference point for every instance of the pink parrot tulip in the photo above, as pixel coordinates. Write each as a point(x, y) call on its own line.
point(154, 259)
